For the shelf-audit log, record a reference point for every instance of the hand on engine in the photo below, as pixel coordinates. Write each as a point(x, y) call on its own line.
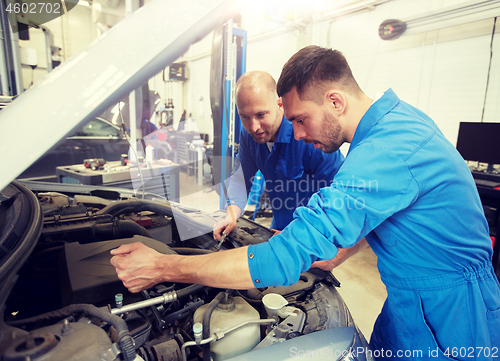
point(137, 265)
point(342, 255)
point(275, 231)
point(224, 226)
point(326, 265)
point(228, 224)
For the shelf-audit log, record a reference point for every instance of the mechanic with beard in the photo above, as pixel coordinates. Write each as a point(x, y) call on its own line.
point(293, 171)
point(421, 215)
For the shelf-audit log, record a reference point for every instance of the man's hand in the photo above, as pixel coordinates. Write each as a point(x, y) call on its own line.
point(330, 264)
point(342, 255)
point(224, 226)
point(228, 224)
point(275, 231)
point(138, 266)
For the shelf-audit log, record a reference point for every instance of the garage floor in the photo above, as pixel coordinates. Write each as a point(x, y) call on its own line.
point(361, 287)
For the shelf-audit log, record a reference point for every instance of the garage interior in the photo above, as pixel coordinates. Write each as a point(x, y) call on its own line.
point(439, 56)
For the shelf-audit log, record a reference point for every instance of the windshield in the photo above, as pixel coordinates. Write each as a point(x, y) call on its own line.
point(117, 113)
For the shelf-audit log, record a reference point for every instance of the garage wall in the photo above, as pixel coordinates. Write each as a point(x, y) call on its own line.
point(271, 54)
point(79, 32)
point(196, 91)
point(443, 72)
point(197, 97)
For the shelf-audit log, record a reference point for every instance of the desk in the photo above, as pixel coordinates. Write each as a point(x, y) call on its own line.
point(161, 179)
point(491, 197)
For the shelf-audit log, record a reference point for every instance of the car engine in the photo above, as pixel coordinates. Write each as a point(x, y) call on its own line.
point(68, 304)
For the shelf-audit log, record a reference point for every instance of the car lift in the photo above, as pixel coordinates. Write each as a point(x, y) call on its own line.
point(227, 122)
point(233, 48)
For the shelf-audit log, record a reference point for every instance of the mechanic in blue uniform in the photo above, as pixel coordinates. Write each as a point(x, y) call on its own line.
point(407, 189)
point(293, 170)
point(403, 186)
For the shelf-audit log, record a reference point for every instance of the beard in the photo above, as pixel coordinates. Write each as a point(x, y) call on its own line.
point(330, 141)
point(263, 139)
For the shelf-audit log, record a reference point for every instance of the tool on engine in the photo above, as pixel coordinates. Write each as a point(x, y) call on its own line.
point(94, 163)
point(224, 235)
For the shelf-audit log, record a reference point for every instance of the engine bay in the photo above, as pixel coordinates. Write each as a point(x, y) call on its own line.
point(68, 303)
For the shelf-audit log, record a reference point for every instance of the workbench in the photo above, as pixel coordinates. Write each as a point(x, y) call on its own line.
point(157, 178)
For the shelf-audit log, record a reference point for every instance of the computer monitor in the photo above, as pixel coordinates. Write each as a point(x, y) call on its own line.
point(479, 142)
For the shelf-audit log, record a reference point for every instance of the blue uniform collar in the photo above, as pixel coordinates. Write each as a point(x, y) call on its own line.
point(286, 131)
point(372, 116)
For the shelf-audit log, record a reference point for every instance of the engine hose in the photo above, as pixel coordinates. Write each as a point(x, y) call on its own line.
point(116, 209)
point(124, 339)
point(248, 299)
point(182, 219)
point(120, 229)
point(186, 291)
point(255, 294)
point(136, 205)
point(206, 323)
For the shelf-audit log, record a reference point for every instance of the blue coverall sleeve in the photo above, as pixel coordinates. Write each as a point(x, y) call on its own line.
point(240, 181)
point(363, 194)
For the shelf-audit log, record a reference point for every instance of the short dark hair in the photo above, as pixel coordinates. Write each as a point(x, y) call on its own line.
point(313, 67)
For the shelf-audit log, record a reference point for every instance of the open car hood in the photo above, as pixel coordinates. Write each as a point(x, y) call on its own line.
point(120, 61)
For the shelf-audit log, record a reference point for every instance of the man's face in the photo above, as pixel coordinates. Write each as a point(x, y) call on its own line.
point(261, 113)
point(313, 123)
